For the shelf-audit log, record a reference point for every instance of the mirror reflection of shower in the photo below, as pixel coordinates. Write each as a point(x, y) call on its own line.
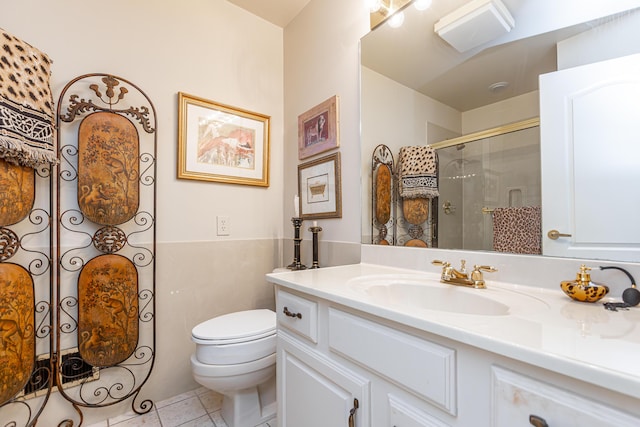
point(459, 168)
point(477, 176)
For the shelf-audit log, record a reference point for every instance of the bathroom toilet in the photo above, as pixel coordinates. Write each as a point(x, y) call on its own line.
point(236, 357)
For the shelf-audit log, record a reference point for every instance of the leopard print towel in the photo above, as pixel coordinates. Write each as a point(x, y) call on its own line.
point(27, 127)
point(418, 172)
point(518, 230)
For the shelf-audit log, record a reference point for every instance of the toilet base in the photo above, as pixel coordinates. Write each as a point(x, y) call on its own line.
point(250, 407)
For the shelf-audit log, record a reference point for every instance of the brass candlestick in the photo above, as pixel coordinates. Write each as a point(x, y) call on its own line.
point(296, 264)
point(315, 230)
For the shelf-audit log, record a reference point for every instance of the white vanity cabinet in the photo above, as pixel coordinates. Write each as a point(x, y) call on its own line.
point(313, 390)
point(398, 379)
point(331, 355)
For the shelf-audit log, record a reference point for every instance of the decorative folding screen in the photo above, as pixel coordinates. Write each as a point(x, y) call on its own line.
point(86, 323)
point(106, 239)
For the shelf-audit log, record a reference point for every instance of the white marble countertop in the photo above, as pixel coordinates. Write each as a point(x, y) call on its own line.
point(580, 340)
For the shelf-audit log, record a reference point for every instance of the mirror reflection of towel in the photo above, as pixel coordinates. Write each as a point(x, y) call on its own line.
point(418, 172)
point(27, 128)
point(518, 230)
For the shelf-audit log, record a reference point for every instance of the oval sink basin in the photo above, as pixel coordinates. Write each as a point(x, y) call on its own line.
point(412, 292)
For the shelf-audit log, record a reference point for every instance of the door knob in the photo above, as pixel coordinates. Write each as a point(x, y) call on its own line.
point(554, 234)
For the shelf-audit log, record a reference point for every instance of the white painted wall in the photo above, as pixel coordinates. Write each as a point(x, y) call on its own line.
point(510, 110)
point(208, 48)
point(195, 46)
point(321, 60)
point(616, 38)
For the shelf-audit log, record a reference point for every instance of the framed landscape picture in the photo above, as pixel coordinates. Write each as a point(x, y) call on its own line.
point(220, 143)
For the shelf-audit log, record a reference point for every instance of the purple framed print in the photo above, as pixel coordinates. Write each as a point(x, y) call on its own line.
point(318, 129)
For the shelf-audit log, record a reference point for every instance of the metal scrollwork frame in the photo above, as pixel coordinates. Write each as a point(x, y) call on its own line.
point(28, 244)
point(80, 239)
point(382, 155)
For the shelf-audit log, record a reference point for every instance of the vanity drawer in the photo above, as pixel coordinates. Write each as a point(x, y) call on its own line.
point(297, 314)
point(517, 397)
point(417, 365)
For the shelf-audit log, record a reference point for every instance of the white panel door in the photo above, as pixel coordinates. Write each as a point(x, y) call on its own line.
point(590, 150)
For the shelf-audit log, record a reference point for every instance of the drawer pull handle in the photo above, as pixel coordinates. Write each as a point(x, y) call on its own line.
point(290, 314)
point(537, 421)
point(352, 413)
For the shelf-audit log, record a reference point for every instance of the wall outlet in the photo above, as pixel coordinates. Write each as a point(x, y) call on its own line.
point(224, 225)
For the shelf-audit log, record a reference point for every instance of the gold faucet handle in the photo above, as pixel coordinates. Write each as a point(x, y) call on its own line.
point(487, 268)
point(446, 269)
point(477, 277)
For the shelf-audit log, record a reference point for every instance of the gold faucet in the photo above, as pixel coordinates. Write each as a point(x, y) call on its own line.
point(460, 277)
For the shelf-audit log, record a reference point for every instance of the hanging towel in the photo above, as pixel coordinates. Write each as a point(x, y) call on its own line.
point(517, 230)
point(27, 127)
point(418, 172)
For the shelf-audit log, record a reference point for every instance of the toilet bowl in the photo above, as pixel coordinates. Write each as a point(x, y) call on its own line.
point(236, 357)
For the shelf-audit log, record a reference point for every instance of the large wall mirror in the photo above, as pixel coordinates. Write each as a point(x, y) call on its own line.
point(495, 121)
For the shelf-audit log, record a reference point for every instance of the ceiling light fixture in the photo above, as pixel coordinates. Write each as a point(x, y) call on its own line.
point(396, 20)
point(373, 5)
point(422, 4)
point(386, 9)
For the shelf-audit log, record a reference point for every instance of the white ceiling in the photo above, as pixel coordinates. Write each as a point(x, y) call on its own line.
point(278, 12)
point(416, 57)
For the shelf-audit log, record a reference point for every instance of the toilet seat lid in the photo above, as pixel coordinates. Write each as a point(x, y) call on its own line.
point(234, 327)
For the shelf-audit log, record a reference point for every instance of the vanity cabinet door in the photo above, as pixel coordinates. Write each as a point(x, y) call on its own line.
point(314, 391)
point(404, 414)
point(419, 366)
point(519, 400)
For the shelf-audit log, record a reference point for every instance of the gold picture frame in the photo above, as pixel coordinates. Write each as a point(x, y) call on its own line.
point(221, 143)
point(318, 129)
point(319, 187)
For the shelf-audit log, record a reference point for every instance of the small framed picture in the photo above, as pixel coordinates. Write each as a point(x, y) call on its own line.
point(320, 189)
point(318, 129)
point(220, 143)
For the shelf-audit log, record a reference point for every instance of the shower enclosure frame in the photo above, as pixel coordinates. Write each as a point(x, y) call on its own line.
point(443, 205)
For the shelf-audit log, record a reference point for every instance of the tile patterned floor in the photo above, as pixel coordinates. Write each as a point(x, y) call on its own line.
point(197, 408)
